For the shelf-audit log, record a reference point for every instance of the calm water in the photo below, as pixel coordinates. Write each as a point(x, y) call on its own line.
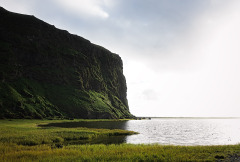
point(185, 131)
point(173, 131)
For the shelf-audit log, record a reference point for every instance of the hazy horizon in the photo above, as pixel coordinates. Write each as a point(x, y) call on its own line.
point(181, 58)
point(189, 117)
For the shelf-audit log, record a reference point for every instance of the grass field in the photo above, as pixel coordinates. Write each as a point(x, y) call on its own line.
point(24, 140)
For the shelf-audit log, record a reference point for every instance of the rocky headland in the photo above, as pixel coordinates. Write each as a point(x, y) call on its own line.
point(46, 72)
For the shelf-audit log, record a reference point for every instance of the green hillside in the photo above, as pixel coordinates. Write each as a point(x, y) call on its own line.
point(46, 72)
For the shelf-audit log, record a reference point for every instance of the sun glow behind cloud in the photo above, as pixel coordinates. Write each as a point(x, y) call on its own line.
point(200, 76)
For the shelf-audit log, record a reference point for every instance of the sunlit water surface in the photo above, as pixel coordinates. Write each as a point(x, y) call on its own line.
point(185, 131)
point(173, 131)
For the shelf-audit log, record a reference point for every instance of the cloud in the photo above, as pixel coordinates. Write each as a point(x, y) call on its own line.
point(21, 6)
point(197, 73)
point(85, 8)
point(180, 57)
point(150, 94)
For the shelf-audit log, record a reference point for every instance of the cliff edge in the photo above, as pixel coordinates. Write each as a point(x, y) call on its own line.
point(46, 72)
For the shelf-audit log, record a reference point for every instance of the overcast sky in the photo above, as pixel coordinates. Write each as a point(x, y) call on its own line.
point(181, 57)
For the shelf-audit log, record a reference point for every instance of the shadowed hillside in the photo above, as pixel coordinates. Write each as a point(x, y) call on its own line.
point(46, 72)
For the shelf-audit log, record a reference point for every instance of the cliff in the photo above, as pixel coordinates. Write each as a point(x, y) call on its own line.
point(46, 72)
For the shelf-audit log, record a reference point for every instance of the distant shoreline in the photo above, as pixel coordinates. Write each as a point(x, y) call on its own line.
point(191, 117)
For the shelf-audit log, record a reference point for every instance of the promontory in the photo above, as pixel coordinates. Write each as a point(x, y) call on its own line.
point(46, 72)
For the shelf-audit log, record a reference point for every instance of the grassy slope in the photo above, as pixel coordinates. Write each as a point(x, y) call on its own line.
point(22, 140)
point(26, 98)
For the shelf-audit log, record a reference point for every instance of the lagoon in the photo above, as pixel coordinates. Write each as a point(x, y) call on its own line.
point(169, 131)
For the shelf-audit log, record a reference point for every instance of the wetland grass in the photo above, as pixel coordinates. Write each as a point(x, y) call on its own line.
point(24, 140)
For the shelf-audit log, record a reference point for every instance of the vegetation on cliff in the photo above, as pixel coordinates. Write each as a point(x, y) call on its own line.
point(46, 72)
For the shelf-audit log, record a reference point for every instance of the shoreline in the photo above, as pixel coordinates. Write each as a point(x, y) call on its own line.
point(191, 117)
point(23, 140)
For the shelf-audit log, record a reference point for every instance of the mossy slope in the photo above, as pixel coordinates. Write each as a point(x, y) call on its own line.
point(46, 72)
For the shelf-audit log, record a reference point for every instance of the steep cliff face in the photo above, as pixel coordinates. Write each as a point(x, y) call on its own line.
point(46, 72)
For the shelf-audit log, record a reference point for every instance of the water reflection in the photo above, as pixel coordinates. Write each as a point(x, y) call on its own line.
point(91, 124)
point(95, 124)
point(102, 140)
point(185, 131)
point(167, 131)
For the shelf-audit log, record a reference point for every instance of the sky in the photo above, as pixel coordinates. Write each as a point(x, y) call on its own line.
point(180, 57)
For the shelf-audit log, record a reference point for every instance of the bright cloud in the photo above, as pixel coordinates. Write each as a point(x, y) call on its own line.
point(84, 8)
point(21, 6)
point(181, 58)
point(199, 74)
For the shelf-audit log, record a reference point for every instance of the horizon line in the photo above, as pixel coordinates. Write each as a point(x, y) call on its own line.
point(187, 117)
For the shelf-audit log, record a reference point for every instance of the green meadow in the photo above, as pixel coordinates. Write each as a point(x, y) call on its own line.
point(25, 140)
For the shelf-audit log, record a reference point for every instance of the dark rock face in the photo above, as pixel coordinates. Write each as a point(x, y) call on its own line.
point(46, 72)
